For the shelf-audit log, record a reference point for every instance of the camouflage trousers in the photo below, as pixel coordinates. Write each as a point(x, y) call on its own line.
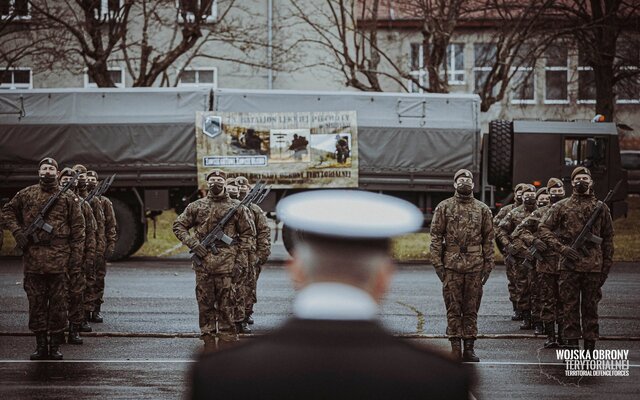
point(534, 288)
point(89, 291)
point(242, 285)
point(511, 280)
point(550, 305)
point(462, 295)
point(253, 291)
point(75, 284)
point(580, 294)
point(101, 273)
point(216, 305)
point(47, 307)
point(523, 287)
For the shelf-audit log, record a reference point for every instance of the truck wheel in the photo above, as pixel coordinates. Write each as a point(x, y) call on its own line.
point(289, 237)
point(500, 153)
point(129, 230)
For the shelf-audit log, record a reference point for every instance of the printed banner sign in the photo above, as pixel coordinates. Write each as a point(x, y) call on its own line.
point(287, 150)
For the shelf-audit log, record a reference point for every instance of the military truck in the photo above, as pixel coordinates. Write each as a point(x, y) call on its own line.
point(410, 145)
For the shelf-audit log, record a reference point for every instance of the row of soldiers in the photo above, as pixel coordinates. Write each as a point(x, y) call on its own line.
point(550, 281)
point(227, 275)
point(64, 266)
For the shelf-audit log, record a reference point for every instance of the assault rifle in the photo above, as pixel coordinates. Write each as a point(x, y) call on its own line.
point(532, 255)
point(217, 233)
point(100, 189)
point(585, 234)
point(38, 223)
point(265, 191)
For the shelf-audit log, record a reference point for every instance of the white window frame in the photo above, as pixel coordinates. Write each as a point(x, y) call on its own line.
point(556, 68)
point(12, 4)
point(198, 84)
point(12, 85)
point(637, 78)
point(535, 88)
point(89, 85)
point(211, 18)
point(451, 71)
point(420, 74)
point(103, 14)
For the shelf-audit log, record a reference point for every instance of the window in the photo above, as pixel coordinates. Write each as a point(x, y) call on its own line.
point(484, 55)
point(16, 78)
point(117, 75)
point(17, 9)
point(455, 64)
point(586, 81)
point(418, 72)
point(199, 77)
point(587, 152)
point(188, 9)
point(628, 89)
point(556, 75)
point(523, 80)
point(107, 9)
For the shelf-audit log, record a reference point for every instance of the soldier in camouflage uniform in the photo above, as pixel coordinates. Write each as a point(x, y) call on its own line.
point(462, 251)
point(76, 278)
point(582, 273)
point(232, 188)
point(550, 308)
point(260, 252)
point(110, 232)
point(510, 268)
point(516, 250)
point(214, 288)
point(45, 263)
point(96, 206)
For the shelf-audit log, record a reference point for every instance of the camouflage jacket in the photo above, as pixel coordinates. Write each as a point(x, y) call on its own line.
point(458, 223)
point(110, 224)
point(90, 226)
point(64, 246)
point(562, 225)
point(508, 225)
point(202, 216)
point(262, 250)
point(502, 213)
point(526, 236)
point(96, 207)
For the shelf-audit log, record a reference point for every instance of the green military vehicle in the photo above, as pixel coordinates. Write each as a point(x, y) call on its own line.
point(410, 145)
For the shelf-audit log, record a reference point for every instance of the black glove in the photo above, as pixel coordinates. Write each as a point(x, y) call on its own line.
point(199, 250)
point(21, 240)
point(570, 254)
point(440, 273)
point(512, 249)
point(539, 245)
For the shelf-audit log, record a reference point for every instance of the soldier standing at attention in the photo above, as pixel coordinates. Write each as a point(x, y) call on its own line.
point(111, 236)
point(90, 289)
point(46, 260)
point(232, 188)
point(516, 250)
point(462, 251)
point(76, 278)
point(582, 273)
point(257, 257)
point(214, 289)
point(510, 268)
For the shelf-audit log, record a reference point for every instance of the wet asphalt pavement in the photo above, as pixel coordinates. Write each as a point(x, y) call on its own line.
point(148, 341)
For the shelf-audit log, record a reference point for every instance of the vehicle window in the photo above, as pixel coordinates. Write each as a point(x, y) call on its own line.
point(630, 161)
point(588, 152)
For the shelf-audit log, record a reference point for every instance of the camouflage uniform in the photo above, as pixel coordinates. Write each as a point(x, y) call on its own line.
point(243, 276)
point(91, 291)
point(214, 289)
point(110, 236)
point(45, 263)
point(259, 254)
point(510, 268)
point(580, 281)
point(462, 222)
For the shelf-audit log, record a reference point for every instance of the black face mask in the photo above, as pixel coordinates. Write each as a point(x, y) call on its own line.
point(216, 188)
point(464, 189)
point(242, 194)
point(519, 200)
point(82, 184)
point(530, 201)
point(91, 185)
point(554, 198)
point(543, 203)
point(581, 187)
point(234, 195)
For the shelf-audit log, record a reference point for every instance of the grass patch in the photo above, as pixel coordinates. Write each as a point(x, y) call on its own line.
point(165, 243)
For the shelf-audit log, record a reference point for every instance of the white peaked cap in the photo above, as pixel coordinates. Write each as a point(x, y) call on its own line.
point(351, 214)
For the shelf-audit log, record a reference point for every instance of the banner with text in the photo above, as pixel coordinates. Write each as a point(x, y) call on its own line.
point(287, 150)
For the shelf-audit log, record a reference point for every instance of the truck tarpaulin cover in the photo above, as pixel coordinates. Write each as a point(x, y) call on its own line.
point(287, 150)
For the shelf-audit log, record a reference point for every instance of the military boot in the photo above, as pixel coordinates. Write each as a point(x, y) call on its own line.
point(468, 354)
point(550, 331)
point(590, 346)
point(42, 352)
point(526, 320)
point(560, 334)
point(456, 348)
point(74, 334)
point(538, 328)
point(249, 320)
point(85, 327)
point(54, 345)
point(96, 316)
point(517, 315)
point(209, 343)
point(242, 327)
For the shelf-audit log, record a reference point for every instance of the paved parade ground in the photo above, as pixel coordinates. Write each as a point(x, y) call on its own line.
point(149, 338)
